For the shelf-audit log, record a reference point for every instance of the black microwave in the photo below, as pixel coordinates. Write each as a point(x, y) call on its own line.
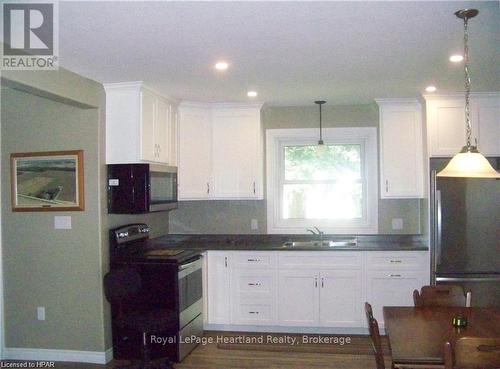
point(141, 188)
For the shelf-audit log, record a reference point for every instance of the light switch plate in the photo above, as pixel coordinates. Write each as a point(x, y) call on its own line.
point(62, 222)
point(397, 224)
point(40, 313)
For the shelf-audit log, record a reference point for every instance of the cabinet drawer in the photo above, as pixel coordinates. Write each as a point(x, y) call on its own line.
point(388, 260)
point(254, 260)
point(256, 283)
point(254, 313)
point(321, 259)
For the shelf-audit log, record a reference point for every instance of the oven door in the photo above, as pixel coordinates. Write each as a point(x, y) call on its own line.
point(190, 305)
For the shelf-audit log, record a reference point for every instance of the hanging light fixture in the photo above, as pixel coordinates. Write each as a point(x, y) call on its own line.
point(468, 162)
point(321, 145)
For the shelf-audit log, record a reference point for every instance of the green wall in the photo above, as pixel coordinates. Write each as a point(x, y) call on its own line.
point(61, 270)
point(235, 216)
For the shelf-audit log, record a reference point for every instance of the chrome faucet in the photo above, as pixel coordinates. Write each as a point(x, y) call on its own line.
point(316, 231)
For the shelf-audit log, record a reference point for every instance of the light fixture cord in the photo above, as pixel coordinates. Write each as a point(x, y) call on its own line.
point(467, 84)
point(320, 133)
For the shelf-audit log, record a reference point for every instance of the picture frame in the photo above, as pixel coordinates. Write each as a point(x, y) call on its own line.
point(47, 181)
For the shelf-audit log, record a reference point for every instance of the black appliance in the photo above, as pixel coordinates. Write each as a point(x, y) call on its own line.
point(465, 234)
point(171, 279)
point(141, 188)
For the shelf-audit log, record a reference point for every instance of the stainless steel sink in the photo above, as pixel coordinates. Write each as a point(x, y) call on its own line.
point(325, 243)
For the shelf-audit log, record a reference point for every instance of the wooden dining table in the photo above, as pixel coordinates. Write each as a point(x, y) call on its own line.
point(417, 334)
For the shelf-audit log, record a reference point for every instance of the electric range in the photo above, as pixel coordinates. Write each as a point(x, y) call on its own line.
point(171, 279)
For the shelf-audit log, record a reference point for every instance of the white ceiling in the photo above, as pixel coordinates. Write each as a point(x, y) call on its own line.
point(290, 52)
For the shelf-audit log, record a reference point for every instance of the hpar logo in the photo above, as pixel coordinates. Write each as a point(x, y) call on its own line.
point(29, 35)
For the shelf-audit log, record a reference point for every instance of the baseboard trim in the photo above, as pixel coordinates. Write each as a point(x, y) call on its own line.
point(33, 354)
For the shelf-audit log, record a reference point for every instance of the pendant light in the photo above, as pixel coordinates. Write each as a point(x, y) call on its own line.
point(468, 162)
point(321, 145)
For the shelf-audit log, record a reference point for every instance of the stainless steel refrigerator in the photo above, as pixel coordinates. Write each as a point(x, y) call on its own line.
point(465, 233)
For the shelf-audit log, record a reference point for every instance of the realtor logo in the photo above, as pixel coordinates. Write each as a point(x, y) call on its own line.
point(29, 36)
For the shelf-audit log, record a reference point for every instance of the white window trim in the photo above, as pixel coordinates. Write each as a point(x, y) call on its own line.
point(277, 138)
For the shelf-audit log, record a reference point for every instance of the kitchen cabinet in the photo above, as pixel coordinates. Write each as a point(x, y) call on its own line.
point(138, 124)
point(298, 298)
point(195, 163)
point(391, 278)
point(227, 141)
point(401, 149)
point(446, 123)
point(219, 287)
point(322, 289)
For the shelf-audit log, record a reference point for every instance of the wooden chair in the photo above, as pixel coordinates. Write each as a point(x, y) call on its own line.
point(375, 336)
point(441, 295)
point(473, 353)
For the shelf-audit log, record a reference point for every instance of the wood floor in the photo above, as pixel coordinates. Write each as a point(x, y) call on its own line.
point(211, 357)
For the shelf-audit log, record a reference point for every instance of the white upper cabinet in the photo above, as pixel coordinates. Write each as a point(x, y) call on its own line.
point(139, 125)
point(220, 152)
point(485, 116)
point(401, 149)
point(446, 123)
point(195, 164)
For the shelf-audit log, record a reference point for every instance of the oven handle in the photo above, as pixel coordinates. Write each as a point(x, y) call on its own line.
point(185, 266)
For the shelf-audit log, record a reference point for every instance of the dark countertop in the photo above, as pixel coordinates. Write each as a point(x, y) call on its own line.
point(275, 242)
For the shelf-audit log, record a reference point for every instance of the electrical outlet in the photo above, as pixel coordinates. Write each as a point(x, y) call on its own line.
point(40, 313)
point(254, 224)
point(397, 224)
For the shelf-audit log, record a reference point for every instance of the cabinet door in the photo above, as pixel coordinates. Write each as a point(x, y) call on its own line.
point(161, 131)
point(391, 288)
point(340, 298)
point(235, 153)
point(148, 117)
point(173, 136)
point(401, 161)
point(218, 286)
point(298, 295)
point(485, 115)
point(446, 126)
point(195, 166)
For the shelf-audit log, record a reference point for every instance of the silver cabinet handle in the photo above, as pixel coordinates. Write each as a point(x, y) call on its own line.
point(386, 185)
point(208, 187)
point(396, 261)
point(322, 282)
point(225, 261)
point(254, 191)
point(254, 284)
point(394, 275)
point(253, 312)
point(253, 260)
point(316, 282)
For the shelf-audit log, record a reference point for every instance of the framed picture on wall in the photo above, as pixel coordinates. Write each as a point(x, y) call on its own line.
point(47, 181)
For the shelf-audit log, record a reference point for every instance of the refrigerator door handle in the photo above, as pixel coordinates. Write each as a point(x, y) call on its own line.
point(439, 227)
point(468, 279)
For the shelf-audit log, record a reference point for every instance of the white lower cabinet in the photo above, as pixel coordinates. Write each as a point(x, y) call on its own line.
point(339, 298)
point(298, 298)
point(325, 289)
point(391, 288)
point(218, 287)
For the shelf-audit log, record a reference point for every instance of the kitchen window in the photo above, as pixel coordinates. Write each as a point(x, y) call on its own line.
point(333, 188)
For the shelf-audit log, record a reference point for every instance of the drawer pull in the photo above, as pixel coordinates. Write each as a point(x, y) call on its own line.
point(253, 260)
point(395, 275)
point(253, 312)
point(254, 284)
point(396, 261)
